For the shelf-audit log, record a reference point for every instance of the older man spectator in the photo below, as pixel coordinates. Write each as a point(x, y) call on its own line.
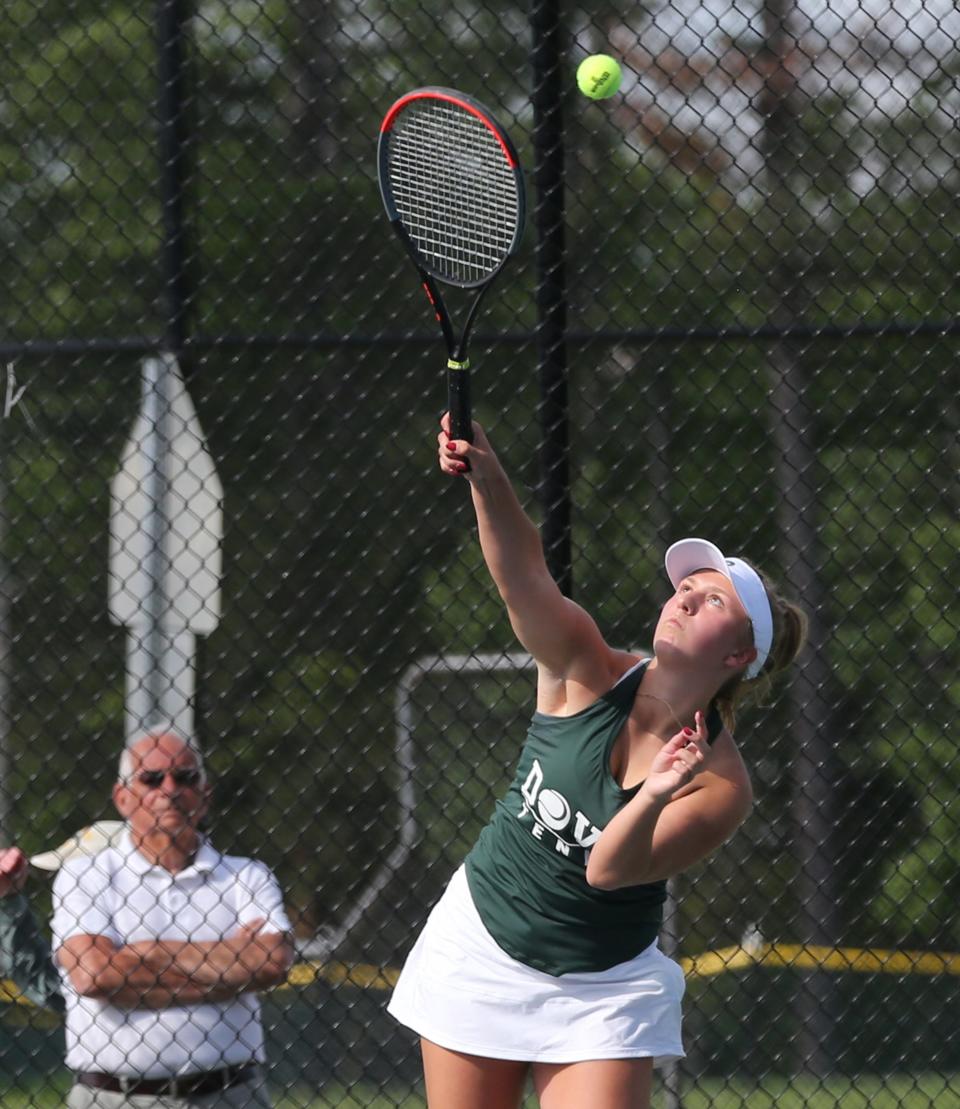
point(162, 943)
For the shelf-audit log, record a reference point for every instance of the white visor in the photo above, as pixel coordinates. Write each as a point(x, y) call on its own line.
point(689, 555)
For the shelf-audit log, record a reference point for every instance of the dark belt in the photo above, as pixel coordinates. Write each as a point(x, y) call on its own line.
point(187, 1085)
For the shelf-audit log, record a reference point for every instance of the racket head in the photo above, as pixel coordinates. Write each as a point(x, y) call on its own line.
point(451, 185)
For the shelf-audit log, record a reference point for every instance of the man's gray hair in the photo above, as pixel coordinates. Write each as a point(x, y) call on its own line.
point(127, 762)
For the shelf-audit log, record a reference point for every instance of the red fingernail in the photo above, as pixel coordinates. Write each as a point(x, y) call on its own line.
point(688, 731)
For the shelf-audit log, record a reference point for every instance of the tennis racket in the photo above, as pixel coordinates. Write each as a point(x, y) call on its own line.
point(453, 190)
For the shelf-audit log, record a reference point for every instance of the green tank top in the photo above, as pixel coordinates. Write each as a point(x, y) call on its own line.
point(527, 871)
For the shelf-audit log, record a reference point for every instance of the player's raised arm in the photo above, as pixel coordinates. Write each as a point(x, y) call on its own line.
point(555, 630)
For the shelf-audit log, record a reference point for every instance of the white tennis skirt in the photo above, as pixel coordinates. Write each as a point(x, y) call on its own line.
point(460, 990)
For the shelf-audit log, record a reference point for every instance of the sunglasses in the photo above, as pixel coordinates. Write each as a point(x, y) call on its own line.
point(182, 776)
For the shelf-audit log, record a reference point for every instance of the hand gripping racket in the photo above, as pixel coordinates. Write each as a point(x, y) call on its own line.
point(453, 190)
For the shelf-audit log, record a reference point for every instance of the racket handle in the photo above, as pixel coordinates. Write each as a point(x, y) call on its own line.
point(458, 402)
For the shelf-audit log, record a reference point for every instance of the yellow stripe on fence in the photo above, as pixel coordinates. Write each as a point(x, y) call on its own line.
point(857, 960)
point(811, 957)
point(364, 976)
point(9, 994)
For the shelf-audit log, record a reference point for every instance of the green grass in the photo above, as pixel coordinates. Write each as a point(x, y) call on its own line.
point(357, 1097)
point(47, 1095)
point(922, 1091)
point(898, 1091)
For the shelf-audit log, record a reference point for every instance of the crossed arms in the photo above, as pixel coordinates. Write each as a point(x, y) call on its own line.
point(156, 974)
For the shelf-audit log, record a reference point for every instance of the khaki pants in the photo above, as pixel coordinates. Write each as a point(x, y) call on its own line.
point(246, 1094)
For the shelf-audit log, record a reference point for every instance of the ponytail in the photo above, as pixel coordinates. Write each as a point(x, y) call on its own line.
point(790, 626)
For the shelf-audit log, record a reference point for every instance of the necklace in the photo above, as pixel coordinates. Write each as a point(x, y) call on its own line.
point(666, 704)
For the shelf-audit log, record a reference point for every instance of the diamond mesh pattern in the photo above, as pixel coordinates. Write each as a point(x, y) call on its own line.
point(733, 315)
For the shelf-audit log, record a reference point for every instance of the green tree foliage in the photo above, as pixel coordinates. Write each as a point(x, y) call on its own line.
point(317, 373)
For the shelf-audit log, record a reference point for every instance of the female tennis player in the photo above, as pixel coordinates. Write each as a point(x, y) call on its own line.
point(541, 956)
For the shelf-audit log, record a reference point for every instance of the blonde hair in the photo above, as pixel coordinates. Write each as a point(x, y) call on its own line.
point(790, 625)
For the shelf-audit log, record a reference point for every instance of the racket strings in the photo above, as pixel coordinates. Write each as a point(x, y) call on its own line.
point(456, 193)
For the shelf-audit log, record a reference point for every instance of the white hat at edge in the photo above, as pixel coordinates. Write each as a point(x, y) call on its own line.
point(88, 841)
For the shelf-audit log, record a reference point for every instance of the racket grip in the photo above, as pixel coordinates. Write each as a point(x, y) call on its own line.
point(458, 400)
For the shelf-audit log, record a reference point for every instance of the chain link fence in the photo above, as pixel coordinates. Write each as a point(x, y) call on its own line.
point(733, 314)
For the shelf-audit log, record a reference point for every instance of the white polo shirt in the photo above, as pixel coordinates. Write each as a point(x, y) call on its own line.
point(121, 895)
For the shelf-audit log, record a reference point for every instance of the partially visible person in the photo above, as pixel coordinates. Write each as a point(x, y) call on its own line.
point(24, 950)
point(162, 944)
point(14, 867)
point(25, 956)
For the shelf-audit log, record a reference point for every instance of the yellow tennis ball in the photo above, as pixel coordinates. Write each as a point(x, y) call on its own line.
point(599, 76)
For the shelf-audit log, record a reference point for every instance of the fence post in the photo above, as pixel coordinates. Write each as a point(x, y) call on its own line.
point(551, 296)
point(173, 136)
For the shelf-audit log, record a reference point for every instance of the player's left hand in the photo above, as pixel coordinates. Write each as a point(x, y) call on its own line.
point(678, 762)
